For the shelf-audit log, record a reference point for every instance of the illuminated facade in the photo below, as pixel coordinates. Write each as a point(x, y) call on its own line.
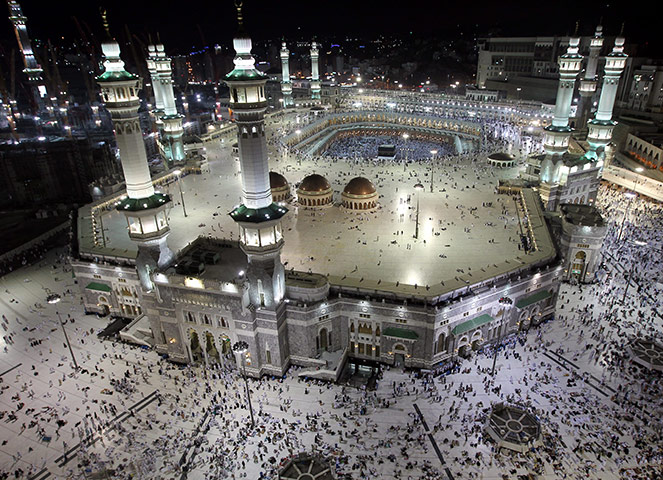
point(146, 211)
point(286, 84)
point(315, 72)
point(32, 69)
point(588, 83)
point(168, 119)
point(602, 125)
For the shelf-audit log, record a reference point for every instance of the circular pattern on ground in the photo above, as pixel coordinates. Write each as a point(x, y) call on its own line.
point(513, 427)
point(306, 467)
point(647, 353)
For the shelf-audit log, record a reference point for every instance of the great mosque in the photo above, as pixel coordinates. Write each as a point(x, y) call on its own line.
point(193, 302)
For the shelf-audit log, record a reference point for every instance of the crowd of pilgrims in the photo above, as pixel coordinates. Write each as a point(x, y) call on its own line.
point(366, 147)
point(608, 427)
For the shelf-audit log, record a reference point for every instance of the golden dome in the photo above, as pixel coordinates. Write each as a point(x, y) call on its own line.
point(314, 183)
point(276, 180)
point(359, 186)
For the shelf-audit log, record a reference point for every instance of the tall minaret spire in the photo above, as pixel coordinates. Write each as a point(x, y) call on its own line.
point(557, 135)
point(258, 218)
point(145, 210)
point(315, 72)
point(601, 127)
point(168, 120)
point(588, 82)
point(286, 85)
point(32, 69)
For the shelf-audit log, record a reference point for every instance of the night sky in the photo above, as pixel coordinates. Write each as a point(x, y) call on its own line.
point(181, 23)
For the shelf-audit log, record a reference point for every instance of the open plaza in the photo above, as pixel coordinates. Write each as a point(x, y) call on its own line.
point(343, 283)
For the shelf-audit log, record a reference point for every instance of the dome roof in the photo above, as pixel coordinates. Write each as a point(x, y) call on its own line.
point(501, 156)
point(359, 186)
point(314, 183)
point(276, 180)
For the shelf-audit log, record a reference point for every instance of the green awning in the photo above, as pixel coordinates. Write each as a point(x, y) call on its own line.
point(101, 287)
point(400, 333)
point(537, 297)
point(472, 324)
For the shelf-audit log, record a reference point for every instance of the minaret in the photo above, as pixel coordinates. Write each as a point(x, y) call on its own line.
point(258, 218)
point(315, 74)
point(556, 140)
point(32, 68)
point(168, 120)
point(588, 82)
point(601, 127)
point(145, 210)
point(286, 85)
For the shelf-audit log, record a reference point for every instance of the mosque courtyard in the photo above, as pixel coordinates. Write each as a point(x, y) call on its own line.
point(458, 233)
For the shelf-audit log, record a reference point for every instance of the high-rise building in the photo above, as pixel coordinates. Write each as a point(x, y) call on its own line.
point(32, 69)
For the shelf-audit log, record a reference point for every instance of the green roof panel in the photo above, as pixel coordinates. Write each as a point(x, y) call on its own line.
point(239, 74)
point(100, 287)
point(137, 204)
point(242, 213)
point(537, 297)
point(400, 333)
point(472, 324)
point(116, 76)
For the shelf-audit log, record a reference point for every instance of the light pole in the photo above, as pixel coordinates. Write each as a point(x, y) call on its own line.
point(432, 168)
point(506, 301)
point(178, 174)
point(299, 157)
point(630, 196)
point(54, 298)
point(241, 347)
point(405, 137)
point(418, 187)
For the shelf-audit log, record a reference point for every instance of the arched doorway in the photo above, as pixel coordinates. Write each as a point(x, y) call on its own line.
point(441, 347)
point(196, 349)
point(323, 339)
point(212, 352)
point(399, 355)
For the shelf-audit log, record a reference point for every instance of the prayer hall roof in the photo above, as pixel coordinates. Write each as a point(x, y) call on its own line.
point(276, 180)
point(314, 183)
point(359, 186)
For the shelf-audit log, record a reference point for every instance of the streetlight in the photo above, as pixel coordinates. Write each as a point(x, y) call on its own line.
point(54, 298)
point(241, 347)
point(636, 243)
point(419, 187)
point(405, 137)
point(432, 168)
point(506, 301)
point(178, 174)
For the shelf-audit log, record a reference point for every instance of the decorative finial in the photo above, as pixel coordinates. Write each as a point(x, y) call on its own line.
point(240, 18)
point(601, 20)
point(575, 34)
point(621, 32)
point(104, 21)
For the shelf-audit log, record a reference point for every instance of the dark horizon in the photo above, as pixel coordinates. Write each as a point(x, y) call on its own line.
point(182, 29)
